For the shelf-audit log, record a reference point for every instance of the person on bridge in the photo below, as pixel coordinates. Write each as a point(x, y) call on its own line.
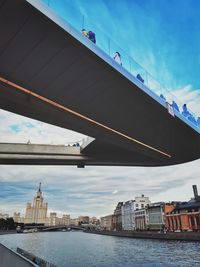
point(117, 58)
point(185, 111)
point(139, 77)
point(175, 106)
point(91, 36)
point(162, 96)
point(85, 33)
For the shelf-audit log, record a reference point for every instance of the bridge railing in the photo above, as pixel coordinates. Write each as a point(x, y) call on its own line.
point(81, 21)
point(35, 259)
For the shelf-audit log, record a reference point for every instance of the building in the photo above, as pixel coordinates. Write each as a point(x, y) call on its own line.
point(141, 202)
point(155, 216)
point(128, 211)
point(185, 216)
point(128, 221)
point(66, 219)
point(74, 221)
point(117, 218)
point(141, 219)
point(53, 219)
point(17, 217)
point(94, 220)
point(83, 220)
point(36, 213)
point(107, 222)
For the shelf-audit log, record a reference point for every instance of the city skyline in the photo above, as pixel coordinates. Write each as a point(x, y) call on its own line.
point(165, 49)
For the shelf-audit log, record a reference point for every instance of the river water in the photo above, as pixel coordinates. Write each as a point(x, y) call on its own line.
point(74, 249)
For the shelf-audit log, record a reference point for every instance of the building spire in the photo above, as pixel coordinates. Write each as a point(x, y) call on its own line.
point(39, 190)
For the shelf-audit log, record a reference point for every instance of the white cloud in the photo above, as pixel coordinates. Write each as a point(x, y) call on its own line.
point(35, 131)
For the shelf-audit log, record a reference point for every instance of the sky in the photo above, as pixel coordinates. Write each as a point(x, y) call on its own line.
point(163, 37)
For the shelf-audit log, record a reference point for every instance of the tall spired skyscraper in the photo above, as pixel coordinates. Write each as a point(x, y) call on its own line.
point(37, 213)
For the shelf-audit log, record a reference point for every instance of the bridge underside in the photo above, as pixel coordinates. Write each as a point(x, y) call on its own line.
point(35, 154)
point(54, 76)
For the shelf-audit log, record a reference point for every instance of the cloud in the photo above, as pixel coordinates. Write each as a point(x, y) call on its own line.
point(19, 129)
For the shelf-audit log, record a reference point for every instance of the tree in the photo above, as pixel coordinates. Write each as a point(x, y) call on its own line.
point(2, 224)
point(10, 224)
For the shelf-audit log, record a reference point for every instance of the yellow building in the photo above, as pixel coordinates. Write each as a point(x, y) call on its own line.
point(53, 220)
point(107, 222)
point(17, 217)
point(36, 213)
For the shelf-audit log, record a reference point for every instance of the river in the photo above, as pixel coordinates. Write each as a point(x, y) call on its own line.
point(78, 249)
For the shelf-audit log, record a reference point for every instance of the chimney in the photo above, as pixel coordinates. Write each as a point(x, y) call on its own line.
point(196, 196)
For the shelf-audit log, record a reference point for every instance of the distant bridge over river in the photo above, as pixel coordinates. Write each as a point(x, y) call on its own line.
point(57, 227)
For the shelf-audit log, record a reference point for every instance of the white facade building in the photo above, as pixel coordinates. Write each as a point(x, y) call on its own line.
point(141, 202)
point(141, 219)
point(128, 211)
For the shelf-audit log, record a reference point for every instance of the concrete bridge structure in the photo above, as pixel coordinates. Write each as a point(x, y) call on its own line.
point(50, 72)
point(57, 227)
point(60, 227)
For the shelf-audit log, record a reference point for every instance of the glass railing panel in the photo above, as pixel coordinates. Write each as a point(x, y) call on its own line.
point(94, 31)
point(138, 71)
point(154, 85)
point(170, 97)
point(119, 55)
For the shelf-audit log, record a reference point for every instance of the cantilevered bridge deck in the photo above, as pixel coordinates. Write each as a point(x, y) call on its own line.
point(50, 72)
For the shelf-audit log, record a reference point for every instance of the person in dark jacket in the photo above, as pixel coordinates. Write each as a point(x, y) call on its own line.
point(91, 36)
point(185, 111)
point(139, 77)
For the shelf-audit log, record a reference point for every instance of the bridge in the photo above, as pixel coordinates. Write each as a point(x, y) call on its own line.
point(50, 72)
point(59, 227)
point(62, 227)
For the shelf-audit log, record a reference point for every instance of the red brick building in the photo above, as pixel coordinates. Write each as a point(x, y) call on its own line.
point(184, 216)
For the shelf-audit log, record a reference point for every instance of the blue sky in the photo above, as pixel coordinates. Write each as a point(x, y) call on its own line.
point(164, 37)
